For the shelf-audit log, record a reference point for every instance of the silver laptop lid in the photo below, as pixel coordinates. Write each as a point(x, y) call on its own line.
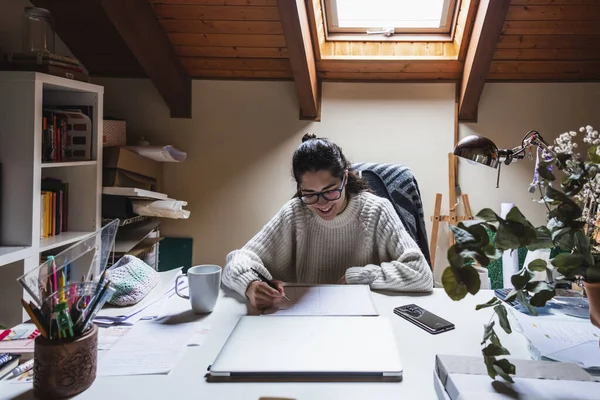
point(309, 345)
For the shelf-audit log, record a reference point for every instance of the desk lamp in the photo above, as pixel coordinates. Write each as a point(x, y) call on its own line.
point(479, 149)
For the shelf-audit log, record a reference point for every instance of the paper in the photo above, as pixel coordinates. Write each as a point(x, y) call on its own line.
point(109, 336)
point(160, 153)
point(326, 300)
point(562, 340)
point(149, 348)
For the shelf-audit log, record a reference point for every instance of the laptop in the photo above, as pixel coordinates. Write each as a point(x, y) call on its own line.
point(302, 348)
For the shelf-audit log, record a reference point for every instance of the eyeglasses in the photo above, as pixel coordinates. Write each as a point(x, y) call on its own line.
point(329, 195)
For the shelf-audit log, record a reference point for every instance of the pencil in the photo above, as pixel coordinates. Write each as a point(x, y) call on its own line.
point(34, 318)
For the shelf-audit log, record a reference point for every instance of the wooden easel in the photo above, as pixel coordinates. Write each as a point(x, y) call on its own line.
point(452, 218)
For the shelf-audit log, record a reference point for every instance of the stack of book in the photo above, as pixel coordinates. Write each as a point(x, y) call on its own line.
point(66, 135)
point(54, 207)
point(47, 63)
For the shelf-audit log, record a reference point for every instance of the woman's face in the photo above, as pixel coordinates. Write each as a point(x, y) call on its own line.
point(323, 193)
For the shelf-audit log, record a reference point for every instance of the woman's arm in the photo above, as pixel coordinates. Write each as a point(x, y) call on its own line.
point(407, 271)
point(269, 251)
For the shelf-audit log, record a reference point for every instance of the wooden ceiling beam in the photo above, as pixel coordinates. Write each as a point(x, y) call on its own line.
point(296, 30)
point(138, 26)
point(486, 31)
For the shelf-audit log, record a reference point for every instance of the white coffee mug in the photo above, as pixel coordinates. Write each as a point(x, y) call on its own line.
point(204, 282)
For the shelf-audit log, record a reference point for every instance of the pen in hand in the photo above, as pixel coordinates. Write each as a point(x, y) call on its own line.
point(268, 282)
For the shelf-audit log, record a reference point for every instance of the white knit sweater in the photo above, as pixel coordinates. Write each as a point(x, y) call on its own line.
point(366, 242)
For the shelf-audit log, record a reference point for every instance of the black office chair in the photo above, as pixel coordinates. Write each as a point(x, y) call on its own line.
point(397, 184)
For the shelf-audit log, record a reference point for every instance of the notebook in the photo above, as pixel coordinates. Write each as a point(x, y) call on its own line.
point(10, 363)
point(305, 348)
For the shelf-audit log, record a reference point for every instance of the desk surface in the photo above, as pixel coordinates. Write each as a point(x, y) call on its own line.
point(417, 351)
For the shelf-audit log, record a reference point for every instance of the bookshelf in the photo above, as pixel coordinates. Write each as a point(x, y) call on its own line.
point(23, 96)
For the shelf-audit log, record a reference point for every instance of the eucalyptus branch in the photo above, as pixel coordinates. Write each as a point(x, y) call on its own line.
point(542, 196)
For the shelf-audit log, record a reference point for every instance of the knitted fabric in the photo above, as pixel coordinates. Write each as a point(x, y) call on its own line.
point(367, 244)
point(133, 279)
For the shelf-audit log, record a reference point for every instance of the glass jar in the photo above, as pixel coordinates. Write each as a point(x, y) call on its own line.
point(38, 30)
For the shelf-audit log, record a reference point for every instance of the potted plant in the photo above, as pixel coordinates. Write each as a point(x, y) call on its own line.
point(571, 217)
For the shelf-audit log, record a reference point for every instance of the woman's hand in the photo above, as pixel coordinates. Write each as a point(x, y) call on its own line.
point(262, 296)
point(342, 280)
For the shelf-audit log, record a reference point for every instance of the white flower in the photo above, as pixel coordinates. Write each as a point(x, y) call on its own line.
point(575, 145)
point(582, 129)
point(573, 133)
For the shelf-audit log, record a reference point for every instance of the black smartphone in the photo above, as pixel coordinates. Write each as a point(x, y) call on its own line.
point(424, 319)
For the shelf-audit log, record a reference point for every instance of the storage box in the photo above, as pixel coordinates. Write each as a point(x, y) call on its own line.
point(125, 168)
point(466, 378)
point(115, 133)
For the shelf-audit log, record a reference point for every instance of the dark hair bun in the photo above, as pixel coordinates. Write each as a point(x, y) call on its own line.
point(308, 136)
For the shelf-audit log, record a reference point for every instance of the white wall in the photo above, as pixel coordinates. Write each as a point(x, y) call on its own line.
point(242, 136)
point(506, 112)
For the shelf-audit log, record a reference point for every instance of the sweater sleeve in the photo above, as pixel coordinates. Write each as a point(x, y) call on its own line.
point(407, 271)
point(269, 251)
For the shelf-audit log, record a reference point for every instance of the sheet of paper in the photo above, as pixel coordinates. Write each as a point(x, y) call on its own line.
point(160, 153)
point(108, 337)
point(586, 355)
point(563, 340)
point(149, 348)
point(326, 300)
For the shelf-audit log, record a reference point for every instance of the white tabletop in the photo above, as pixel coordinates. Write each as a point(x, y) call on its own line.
point(417, 351)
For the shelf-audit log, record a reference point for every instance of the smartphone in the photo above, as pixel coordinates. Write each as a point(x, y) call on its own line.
point(424, 319)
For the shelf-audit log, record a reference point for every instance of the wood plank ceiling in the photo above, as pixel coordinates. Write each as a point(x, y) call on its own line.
point(549, 40)
point(226, 38)
point(541, 40)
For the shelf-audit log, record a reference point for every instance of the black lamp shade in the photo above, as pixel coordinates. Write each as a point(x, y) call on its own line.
point(478, 149)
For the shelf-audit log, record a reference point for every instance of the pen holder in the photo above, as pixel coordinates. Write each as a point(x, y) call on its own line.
point(64, 368)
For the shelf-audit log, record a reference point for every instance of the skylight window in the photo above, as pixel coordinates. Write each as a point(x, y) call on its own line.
point(389, 16)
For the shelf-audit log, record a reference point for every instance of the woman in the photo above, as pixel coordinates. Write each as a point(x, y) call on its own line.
point(333, 231)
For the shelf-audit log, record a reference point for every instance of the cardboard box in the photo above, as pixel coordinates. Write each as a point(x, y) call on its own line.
point(114, 133)
point(125, 168)
point(466, 378)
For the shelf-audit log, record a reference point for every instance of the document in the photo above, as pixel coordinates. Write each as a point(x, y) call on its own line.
point(160, 153)
point(563, 340)
point(149, 348)
point(332, 300)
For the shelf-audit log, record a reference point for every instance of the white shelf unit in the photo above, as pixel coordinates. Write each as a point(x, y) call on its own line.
point(23, 96)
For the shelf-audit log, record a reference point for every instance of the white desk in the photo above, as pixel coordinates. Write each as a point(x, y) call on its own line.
point(417, 350)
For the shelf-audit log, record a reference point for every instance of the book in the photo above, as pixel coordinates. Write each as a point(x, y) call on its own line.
point(17, 346)
point(10, 364)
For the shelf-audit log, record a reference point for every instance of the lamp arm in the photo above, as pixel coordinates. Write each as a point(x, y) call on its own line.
point(531, 138)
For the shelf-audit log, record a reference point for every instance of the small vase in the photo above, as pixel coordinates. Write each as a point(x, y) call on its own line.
point(593, 293)
point(64, 368)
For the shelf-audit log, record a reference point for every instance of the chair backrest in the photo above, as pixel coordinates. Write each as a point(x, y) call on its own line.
point(397, 184)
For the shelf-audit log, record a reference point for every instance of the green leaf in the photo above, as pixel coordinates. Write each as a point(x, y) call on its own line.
point(545, 172)
point(592, 156)
point(523, 301)
point(458, 282)
point(537, 265)
point(495, 350)
point(505, 369)
point(512, 235)
point(454, 287)
point(520, 279)
point(503, 318)
point(567, 261)
point(470, 277)
point(516, 216)
point(488, 215)
point(488, 331)
point(454, 258)
point(543, 239)
point(462, 235)
point(490, 303)
point(489, 364)
point(542, 295)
